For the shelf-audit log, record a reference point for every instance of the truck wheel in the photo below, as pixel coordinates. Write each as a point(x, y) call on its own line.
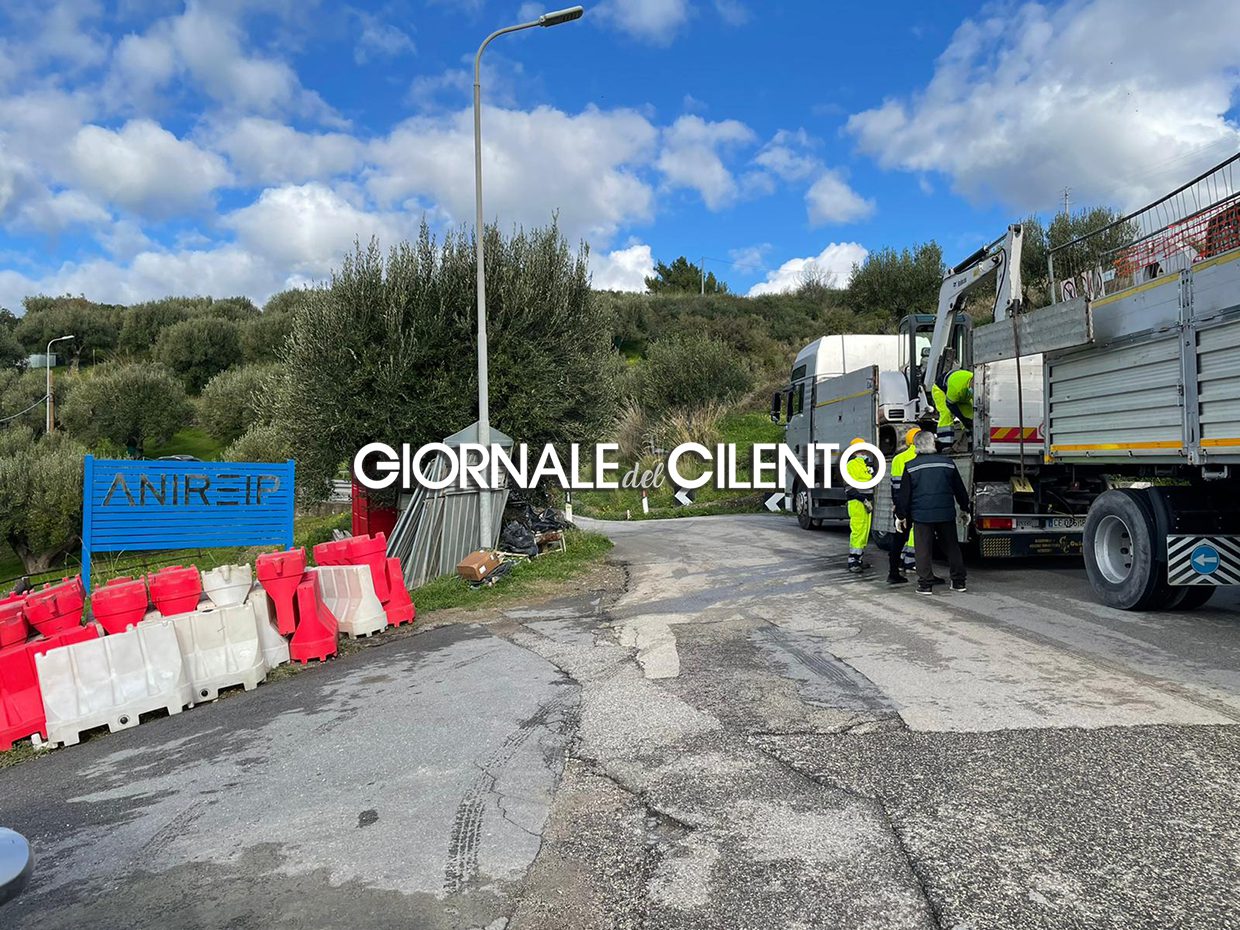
point(800, 503)
point(1192, 597)
point(1119, 551)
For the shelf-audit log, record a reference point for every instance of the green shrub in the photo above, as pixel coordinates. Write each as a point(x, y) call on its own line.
point(234, 400)
point(128, 405)
point(263, 442)
point(40, 496)
point(198, 349)
point(691, 371)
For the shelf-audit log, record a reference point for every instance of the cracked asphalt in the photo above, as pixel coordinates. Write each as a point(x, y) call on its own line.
point(734, 734)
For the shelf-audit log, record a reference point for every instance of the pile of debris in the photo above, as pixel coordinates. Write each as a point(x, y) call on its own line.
point(528, 532)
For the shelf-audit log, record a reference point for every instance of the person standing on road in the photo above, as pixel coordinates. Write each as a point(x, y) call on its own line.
point(860, 509)
point(900, 560)
point(929, 492)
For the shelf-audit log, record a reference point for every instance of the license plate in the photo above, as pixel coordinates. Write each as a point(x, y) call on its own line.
point(1066, 523)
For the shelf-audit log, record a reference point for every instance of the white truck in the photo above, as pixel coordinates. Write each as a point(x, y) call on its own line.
point(1106, 423)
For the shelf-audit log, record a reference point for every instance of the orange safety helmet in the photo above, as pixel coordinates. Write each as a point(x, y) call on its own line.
point(911, 435)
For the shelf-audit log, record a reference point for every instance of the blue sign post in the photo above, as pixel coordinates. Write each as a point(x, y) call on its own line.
point(150, 505)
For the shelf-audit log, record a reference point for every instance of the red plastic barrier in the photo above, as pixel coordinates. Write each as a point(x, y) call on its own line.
point(333, 552)
point(280, 573)
point(175, 590)
point(57, 608)
point(13, 626)
point(21, 701)
point(317, 627)
point(119, 604)
point(371, 551)
point(399, 605)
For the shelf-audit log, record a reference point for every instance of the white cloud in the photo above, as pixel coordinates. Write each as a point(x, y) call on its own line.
point(787, 156)
point(265, 151)
point(380, 40)
point(144, 168)
point(622, 270)
point(732, 12)
point(206, 47)
point(308, 228)
point(831, 200)
point(834, 262)
point(1022, 105)
point(585, 167)
point(750, 258)
point(150, 275)
point(691, 158)
point(653, 21)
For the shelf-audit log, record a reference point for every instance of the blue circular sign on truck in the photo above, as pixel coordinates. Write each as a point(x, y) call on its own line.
point(1204, 560)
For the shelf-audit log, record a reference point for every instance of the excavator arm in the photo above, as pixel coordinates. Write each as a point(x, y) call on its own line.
point(1001, 258)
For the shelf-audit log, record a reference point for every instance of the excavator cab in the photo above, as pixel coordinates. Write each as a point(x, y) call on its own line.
point(917, 333)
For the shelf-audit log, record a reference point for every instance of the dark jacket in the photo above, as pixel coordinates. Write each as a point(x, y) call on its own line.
point(930, 490)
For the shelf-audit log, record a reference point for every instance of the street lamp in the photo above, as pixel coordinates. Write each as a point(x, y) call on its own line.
point(484, 411)
point(47, 362)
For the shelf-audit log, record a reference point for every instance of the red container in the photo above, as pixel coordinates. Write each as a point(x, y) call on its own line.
point(13, 625)
point(119, 604)
point(280, 573)
point(317, 627)
point(175, 590)
point(399, 605)
point(55, 609)
point(67, 638)
point(371, 551)
point(368, 516)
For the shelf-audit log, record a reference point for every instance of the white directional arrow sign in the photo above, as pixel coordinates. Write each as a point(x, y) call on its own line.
point(1204, 560)
point(775, 503)
point(682, 496)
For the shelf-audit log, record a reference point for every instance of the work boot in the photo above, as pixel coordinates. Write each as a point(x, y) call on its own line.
point(896, 579)
point(854, 562)
point(924, 590)
point(959, 586)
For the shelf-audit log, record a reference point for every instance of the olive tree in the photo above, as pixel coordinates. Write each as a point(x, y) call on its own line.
point(386, 351)
point(40, 496)
point(198, 349)
point(127, 405)
point(234, 400)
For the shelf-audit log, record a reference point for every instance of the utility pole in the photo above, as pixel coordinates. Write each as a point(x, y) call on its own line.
point(703, 270)
point(485, 538)
point(1067, 201)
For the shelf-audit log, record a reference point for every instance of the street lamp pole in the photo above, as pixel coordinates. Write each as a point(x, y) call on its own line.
point(47, 363)
point(484, 411)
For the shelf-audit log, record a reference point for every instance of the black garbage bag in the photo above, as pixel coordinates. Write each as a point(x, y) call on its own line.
point(518, 538)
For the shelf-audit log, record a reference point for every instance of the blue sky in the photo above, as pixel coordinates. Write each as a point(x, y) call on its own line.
point(239, 146)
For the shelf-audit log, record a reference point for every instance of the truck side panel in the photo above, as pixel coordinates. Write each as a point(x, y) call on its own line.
point(1218, 388)
point(1120, 401)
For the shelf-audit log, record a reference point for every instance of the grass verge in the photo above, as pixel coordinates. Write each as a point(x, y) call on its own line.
point(535, 577)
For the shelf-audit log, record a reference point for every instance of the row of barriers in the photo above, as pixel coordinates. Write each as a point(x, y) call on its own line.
point(177, 637)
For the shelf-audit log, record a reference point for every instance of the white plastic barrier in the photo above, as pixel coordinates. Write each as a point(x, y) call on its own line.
point(227, 585)
point(220, 647)
point(348, 591)
point(273, 645)
point(111, 680)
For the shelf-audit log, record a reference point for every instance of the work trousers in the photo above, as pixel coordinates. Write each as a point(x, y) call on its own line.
point(859, 520)
point(901, 557)
point(945, 533)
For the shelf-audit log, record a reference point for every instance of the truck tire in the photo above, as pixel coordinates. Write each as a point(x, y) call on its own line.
point(1120, 551)
point(1193, 596)
point(801, 506)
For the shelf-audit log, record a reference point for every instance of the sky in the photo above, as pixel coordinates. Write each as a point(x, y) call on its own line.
point(239, 147)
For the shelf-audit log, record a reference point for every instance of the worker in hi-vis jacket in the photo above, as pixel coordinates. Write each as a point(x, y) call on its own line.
point(860, 508)
point(952, 394)
point(901, 559)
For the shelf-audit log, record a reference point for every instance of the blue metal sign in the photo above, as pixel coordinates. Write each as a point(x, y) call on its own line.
point(143, 506)
point(1204, 559)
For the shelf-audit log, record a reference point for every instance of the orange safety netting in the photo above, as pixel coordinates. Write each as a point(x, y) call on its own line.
point(1211, 232)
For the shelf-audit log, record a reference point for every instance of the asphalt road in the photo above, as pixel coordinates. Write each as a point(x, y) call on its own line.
point(744, 736)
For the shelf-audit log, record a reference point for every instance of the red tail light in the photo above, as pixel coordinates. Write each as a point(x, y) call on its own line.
point(995, 523)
